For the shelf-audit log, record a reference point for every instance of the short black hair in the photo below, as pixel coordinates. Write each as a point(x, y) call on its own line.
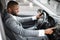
point(11, 3)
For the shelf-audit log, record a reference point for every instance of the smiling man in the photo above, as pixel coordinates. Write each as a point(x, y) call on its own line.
point(14, 23)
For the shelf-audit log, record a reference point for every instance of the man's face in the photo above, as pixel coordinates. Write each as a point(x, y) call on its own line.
point(14, 9)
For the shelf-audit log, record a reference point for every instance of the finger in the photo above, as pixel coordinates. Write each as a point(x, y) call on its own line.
point(52, 28)
point(51, 32)
point(40, 14)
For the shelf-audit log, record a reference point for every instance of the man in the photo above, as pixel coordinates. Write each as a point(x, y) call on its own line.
point(14, 23)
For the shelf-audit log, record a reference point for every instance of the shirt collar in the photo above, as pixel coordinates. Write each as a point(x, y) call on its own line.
point(13, 16)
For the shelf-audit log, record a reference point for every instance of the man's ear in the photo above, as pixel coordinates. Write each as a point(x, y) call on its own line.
point(9, 9)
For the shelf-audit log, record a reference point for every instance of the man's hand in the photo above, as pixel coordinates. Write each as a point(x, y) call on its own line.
point(49, 31)
point(38, 15)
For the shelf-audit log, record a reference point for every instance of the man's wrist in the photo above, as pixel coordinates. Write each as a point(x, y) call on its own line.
point(34, 18)
point(41, 33)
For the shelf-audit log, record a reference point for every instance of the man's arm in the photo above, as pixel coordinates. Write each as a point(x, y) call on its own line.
point(27, 19)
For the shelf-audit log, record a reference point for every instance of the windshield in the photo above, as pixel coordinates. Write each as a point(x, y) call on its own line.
point(53, 5)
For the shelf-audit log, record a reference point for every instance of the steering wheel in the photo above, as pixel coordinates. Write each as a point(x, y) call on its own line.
point(46, 22)
point(44, 13)
point(44, 18)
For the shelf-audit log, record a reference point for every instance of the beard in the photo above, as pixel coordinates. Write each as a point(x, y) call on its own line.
point(13, 13)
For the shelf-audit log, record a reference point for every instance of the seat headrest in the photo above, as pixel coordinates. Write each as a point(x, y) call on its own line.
point(1, 7)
